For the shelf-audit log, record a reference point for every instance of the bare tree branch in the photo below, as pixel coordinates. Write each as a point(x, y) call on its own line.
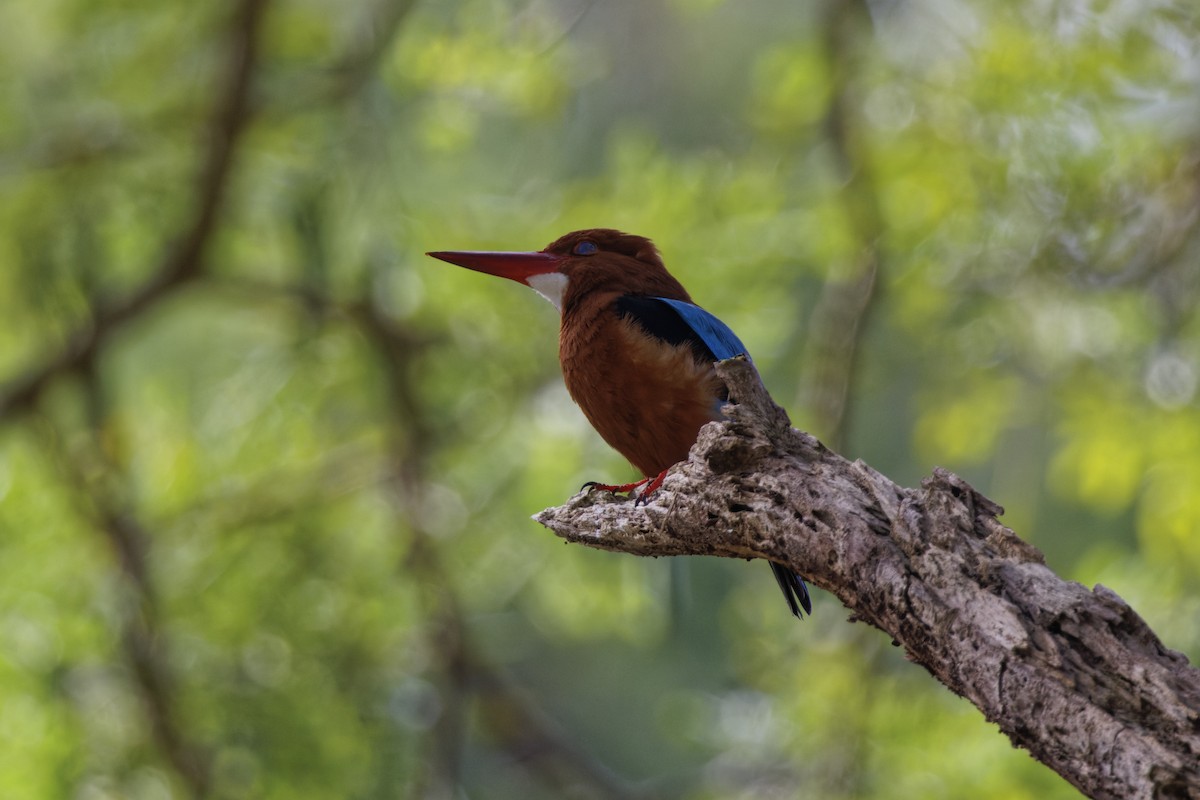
point(1074, 676)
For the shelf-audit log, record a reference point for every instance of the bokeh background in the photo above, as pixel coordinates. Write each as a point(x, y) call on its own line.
point(266, 471)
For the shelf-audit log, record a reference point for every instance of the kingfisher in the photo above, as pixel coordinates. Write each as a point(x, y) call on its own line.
point(637, 354)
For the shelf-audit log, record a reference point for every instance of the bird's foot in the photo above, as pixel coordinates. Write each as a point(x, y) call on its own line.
point(615, 488)
point(651, 488)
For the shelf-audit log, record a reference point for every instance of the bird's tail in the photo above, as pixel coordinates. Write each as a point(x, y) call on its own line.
point(794, 590)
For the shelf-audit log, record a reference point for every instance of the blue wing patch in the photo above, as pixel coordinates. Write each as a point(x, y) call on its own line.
point(678, 322)
point(715, 334)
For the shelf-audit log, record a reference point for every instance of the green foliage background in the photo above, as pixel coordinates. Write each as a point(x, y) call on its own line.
point(266, 533)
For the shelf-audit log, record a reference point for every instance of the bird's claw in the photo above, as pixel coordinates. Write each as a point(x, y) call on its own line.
point(643, 497)
point(615, 488)
point(651, 488)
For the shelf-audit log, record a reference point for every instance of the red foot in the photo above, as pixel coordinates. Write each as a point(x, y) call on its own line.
point(643, 497)
point(651, 488)
point(616, 488)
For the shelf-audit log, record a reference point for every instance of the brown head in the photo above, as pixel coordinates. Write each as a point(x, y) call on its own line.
point(578, 265)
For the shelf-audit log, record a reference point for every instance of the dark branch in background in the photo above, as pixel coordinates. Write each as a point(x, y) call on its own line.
point(97, 477)
point(527, 735)
point(376, 33)
point(99, 481)
point(409, 438)
point(1074, 676)
point(183, 257)
point(841, 311)
point(348, 74)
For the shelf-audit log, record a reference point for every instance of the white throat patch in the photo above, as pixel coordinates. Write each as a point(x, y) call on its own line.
point(549, 285)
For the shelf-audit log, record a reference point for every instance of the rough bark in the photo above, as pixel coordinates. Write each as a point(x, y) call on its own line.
point(1073, 675)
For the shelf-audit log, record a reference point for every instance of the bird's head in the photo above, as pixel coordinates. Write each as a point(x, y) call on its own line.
point(580, 264)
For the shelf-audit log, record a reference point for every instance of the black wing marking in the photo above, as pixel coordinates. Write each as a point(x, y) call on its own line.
point(662, 321)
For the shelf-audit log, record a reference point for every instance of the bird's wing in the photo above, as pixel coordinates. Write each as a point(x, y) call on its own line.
point(678, 322)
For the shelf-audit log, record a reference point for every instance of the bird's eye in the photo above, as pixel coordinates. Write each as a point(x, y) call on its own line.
point(585, 248)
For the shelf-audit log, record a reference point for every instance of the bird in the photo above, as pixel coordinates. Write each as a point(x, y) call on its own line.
point(637, 354)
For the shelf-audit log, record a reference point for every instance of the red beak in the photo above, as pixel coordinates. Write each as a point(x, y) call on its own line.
point(514, 266)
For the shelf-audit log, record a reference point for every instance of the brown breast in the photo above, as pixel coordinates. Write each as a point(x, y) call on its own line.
point(646, 397)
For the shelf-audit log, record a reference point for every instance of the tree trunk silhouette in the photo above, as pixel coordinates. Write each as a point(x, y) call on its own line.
point(1072, 675)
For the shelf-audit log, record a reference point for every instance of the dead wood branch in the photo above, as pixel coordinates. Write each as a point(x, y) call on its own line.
point(1073, 675)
